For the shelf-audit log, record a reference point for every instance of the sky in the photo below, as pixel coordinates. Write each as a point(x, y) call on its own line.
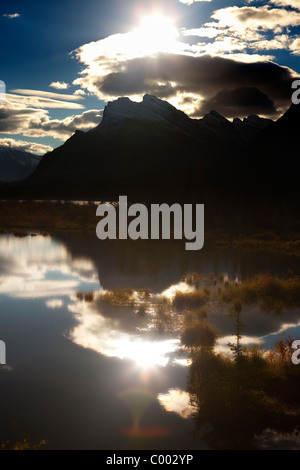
point(62, 61)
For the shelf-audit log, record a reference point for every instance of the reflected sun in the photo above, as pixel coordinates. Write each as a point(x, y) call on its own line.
point(156, 33)
point(105, 336)
point(147, 354)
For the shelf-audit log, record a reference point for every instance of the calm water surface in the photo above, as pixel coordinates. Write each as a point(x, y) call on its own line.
point(95, 376)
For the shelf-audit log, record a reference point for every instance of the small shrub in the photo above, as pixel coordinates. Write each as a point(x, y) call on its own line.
point(190, 300)
point(199, 335)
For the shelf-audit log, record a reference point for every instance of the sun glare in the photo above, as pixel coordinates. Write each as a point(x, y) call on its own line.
point(156, 33)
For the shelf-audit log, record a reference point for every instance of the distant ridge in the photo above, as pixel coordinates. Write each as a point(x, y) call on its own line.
point(16, 165)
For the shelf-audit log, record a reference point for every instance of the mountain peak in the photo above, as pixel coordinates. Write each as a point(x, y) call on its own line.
point(151, 109)
point(150, 99)
point(216, 115)
point(125, 107)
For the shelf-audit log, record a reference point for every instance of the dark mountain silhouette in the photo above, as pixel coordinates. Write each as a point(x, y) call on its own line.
point(274, 156)
point(152, 151)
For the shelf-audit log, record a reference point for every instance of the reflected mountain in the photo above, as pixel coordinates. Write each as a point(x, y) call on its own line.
point(158, 264)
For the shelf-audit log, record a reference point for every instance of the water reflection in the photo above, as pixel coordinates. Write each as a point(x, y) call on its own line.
point(161, 264)
point(40, 267)
point(177, 401)
point(99, 348)
point(55, 303)
point(104, 336)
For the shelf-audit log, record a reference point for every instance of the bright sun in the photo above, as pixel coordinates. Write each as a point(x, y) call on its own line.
point(156, 33)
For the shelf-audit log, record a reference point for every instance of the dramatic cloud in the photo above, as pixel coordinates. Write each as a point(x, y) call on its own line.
point(287, 3)
point(203, 32)
point(295, 47)
point(44, 99)
point(282, 41)
point(226, 64)
point(18, 119)
point(235, 50)
point(79, 92)
point(31, 147)
point(261, 28)
point(240, 101)
point(62, 129)
point(11, 16)
point(59, 85)
point(254, 18)
point(47, 94)
point(177, 76)
point(33, 122)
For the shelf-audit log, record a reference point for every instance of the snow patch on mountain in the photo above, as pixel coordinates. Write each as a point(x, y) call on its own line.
point(151, 110)
point(212, 128)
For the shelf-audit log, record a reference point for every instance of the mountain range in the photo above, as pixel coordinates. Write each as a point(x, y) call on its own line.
point(152, 109)
point(153, 151)
point(16, 165)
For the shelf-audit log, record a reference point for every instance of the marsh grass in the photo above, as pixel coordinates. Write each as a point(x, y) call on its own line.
point(23, 444)
point(272, 292)
point(276, 246)
point(242, 400)
point(65, 217)
point(87, 297)
point(119, 297)
point(49, 217)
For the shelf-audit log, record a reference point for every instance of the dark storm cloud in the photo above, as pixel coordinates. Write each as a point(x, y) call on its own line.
point(240, 101)
point(13, 119)
point(121, 84)
point(266, 84)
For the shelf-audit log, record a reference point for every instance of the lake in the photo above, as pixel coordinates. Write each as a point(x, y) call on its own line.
point(86, 373)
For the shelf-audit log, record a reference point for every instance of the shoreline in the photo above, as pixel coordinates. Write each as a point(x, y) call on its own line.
point(250, 230)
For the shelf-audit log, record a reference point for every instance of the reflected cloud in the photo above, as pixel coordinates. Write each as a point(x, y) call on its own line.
point(223, 347)
point(177, 401)
point(55, 303)
point(105, 336)
point(139, 328)
point(266, 341)
point(180, 287)
point(39, 267)
point(35, 289)
point(42, 268)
